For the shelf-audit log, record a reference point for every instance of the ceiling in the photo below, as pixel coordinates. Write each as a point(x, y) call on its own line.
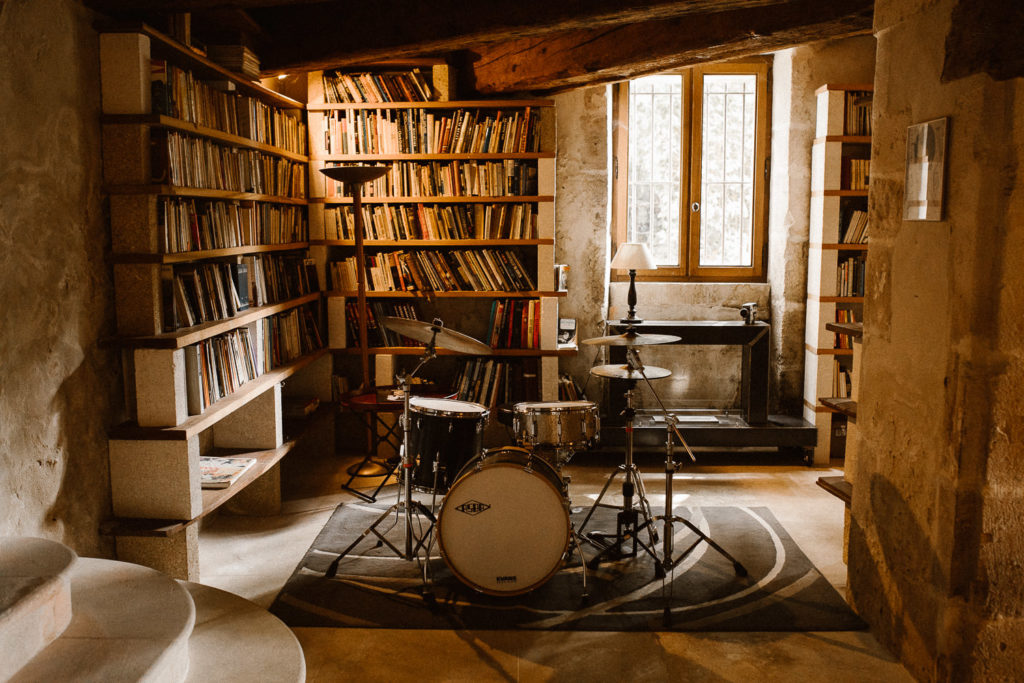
point(520, 47)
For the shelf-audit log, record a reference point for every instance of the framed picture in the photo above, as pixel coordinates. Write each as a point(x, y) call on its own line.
point(926, 170)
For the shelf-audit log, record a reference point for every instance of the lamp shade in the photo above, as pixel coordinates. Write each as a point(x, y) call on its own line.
point(634, 256)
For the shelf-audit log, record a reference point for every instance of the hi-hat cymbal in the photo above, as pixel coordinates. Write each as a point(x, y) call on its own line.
point(632, 339)
point(627, 372)
point(446, 339)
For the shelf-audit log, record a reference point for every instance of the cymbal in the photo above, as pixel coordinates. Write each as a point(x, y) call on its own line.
point(627, 372)
point(632, 339)
point(446, 339)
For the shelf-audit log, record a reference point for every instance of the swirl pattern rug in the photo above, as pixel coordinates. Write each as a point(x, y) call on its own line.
point(781, 591)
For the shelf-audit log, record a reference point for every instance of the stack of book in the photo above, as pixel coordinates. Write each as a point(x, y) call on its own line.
point(237, 58)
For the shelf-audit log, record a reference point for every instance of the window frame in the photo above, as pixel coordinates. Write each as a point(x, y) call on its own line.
point(689, 269)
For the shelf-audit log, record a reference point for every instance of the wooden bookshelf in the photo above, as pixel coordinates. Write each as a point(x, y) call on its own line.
point(836, 260)
point(534, 147)
point(154, 458)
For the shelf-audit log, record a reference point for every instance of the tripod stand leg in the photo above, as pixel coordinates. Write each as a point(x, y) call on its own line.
point(600, 497)
point(739, 568)
point(332, 570)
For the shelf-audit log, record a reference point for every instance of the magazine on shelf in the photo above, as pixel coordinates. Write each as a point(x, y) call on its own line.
point(220, 473)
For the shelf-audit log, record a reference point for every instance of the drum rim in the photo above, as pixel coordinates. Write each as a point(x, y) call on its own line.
point(558, 565)
point(415, 407)
point(552, 406)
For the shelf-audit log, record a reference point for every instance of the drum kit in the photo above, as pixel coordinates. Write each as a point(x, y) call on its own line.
point(503, 520)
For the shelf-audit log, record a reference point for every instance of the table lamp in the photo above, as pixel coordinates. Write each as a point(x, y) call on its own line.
point(633, 256)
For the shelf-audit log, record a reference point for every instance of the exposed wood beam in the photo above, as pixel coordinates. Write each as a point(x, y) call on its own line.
point(335, 33)
point(578, 58)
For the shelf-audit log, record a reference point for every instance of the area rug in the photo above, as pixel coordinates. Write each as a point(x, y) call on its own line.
point(374, 588)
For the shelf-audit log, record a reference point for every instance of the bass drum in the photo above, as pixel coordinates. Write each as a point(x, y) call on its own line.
point(504, 527)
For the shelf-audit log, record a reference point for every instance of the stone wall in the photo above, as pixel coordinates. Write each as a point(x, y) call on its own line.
point(935, 548)
point(58, 384)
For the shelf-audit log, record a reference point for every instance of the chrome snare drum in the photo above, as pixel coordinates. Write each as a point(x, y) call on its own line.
point(444, 435)
point(571, 425)
point(503, 528)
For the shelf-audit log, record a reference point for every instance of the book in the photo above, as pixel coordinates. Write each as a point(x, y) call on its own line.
point(220, 473)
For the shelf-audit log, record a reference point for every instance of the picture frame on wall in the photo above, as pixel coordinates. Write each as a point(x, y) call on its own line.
point(926, 170)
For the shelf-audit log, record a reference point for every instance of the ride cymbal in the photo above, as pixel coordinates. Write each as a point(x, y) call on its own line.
point(446, 339)
point(632, 339)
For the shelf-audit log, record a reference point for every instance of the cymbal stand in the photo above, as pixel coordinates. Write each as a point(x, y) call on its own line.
point(667, 563)
point(400, 508)
point(628, 523)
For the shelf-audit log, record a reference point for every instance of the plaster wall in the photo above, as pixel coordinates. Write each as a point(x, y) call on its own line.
point(935, 545)
point(58, 386)
point(796, 74)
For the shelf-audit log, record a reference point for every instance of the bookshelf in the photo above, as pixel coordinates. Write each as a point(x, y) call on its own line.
point(460, 228)
point(217, 299)
point(836, 263)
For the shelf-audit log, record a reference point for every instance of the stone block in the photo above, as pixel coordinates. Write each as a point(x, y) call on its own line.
point(155, 479)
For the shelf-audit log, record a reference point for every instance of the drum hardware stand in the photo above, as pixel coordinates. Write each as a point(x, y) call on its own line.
point(667, 563)
point(411, 551)
point(628, 524)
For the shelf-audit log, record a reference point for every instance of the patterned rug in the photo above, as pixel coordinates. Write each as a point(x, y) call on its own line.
point(781, 591)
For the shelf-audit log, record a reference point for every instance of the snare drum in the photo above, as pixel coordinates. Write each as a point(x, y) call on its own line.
point(556, 424)
point(503, 527)
point(443, 435)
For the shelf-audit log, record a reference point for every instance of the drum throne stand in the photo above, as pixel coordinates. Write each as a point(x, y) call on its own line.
point(404, 505)
point(628, 524)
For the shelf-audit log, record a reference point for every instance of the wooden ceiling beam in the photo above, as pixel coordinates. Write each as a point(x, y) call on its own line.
point(590, 57)
point(330, 34)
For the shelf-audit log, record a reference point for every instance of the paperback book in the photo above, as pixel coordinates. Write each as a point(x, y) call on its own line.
point(220, 473)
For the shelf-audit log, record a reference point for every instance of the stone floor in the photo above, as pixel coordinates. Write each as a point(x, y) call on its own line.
point(253, 557)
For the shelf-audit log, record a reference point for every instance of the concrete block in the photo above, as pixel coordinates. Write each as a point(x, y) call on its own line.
point(177, 555)
point(155, 479)
point(124, 63)
point(160, 398)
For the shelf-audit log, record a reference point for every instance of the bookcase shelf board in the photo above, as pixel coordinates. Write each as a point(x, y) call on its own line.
point(496, 156)
point(457, 104)
point(841, 246)
point(437, 199)
point(418, 351)
point(216, 411)
point(201, 192)
point(167, 122)
point(447, 295)
point(197, 333)
point(439, 243)
point(209, 254)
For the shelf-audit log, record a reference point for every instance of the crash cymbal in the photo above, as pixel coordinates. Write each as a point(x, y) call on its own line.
point(446, 339)
point(627, 372)
point(354, 174)
point(632, 339)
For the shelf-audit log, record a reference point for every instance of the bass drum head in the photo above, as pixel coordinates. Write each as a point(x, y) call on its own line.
point(503, 529)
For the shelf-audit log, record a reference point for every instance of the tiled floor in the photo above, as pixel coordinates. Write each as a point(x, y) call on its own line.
point(253, 556)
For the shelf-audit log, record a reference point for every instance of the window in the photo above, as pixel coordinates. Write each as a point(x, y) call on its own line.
point(690, 171)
